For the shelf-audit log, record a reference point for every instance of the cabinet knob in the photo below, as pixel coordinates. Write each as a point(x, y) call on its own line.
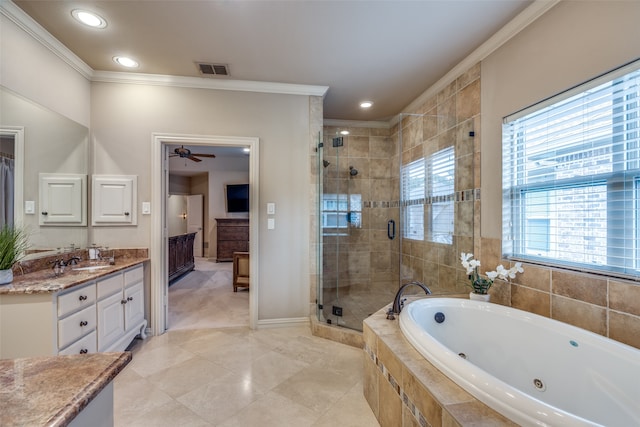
point(82, 297)
point(84, 351)
point(45, 213)
point(129, 298)
point(126, 214)
point(124, 301)
point(83, 323)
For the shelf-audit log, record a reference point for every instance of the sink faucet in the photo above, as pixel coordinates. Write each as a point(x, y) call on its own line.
point(58, 267)
point(398, 301)
point(73, 260)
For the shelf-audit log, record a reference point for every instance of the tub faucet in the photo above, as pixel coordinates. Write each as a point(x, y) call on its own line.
point(398, 301)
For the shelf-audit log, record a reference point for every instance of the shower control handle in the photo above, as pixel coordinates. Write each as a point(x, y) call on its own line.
point(391, 229)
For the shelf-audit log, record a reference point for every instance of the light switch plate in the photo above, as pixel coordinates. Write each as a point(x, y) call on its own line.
point(271, 208)
point(30, 207)
point(146, 208)
point(271, 224)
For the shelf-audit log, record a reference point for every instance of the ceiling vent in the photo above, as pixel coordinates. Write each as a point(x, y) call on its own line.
point(208, 69)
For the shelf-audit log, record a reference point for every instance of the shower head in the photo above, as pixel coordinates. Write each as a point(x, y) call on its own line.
point(325, 163)
point(353, 171)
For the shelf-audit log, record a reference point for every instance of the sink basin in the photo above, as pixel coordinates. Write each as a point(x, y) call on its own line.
point(91, 268)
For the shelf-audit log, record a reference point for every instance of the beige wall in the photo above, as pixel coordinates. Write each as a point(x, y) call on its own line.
point(33, 71)
point(570, 44)
point(123, 120)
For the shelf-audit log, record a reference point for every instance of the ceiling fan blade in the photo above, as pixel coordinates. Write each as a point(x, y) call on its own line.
point(204, 155)
point(195, 159)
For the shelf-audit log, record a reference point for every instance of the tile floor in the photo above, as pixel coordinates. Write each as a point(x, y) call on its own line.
point(212, 370)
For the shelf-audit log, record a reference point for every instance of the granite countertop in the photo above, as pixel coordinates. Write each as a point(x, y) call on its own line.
point(44, 281)
point(51, 391)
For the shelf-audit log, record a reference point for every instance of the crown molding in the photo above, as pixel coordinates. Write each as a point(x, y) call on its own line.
point(506, 33)
point(35, 30)
point(208, 83)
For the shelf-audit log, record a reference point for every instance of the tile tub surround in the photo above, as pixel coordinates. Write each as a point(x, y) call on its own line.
point(405, 390)
point(52, 391)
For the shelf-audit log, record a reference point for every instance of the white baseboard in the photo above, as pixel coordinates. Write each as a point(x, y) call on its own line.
point(282, 323)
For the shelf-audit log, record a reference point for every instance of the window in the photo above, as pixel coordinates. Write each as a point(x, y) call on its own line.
point(413, 191)
point(441, 192)
point(340, 210)
point(571, 177)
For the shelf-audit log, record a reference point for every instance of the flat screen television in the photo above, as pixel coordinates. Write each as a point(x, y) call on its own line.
point(237, 197)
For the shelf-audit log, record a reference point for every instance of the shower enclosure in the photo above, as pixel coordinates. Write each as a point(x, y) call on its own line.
point(393, 206)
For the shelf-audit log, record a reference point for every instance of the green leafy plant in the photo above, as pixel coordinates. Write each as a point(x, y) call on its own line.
point(479, 284)
point(13, 243)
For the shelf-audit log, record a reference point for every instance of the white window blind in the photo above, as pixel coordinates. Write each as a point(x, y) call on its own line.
point(441, 195)
point(571, 177)
point(413, 194)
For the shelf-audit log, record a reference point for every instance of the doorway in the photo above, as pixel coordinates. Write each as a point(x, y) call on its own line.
point(158, 247)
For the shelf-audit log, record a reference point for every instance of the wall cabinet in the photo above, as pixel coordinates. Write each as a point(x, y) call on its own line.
point(232, 236)
point(63, 199)
point(100, 315)
point(114, 199)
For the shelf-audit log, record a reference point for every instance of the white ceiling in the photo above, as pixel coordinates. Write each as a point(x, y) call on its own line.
point(385, 51)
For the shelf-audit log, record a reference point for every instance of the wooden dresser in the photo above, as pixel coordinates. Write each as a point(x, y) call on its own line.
point(232, 236)
point(181, 259)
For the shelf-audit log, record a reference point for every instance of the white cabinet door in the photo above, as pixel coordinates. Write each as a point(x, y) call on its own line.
point(63, 199)
point(114, 199)
point(134, 308)
point(110, 320)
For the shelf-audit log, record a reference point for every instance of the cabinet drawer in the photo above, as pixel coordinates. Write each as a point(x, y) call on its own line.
point(76, 299)
point(109, 286)
point(86, 344)
point(233, 233)
point(133, 276)
point(76, 325)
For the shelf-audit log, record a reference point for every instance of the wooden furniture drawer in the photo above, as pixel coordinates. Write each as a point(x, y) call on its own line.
point(76, 325)
point(233, 233)
point(110, 286)
point(76, 300)
point(84, 345)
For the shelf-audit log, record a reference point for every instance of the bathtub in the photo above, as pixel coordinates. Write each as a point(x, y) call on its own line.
point(531, 369)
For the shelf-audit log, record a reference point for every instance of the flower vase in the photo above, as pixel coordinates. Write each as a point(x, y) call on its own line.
point(6, 276)
point(479, 297)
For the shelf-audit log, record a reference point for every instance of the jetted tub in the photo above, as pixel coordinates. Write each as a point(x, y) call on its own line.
point(531, 369)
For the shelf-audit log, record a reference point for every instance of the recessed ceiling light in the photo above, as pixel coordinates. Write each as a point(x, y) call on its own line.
point(89, 18)
point(366, 104)
point(125, 62)
point(344, 132)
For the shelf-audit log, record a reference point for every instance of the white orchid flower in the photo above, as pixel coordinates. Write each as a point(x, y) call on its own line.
point(502, 272)
point(492, 275)
point(518, 267)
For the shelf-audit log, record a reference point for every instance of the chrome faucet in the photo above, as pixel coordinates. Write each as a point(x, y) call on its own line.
point(73, 260)
point(398, 301)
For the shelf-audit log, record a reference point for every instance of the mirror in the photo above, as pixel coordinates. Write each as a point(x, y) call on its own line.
point(51, 143)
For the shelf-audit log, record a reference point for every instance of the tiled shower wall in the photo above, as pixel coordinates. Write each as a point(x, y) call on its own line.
point(359, 272)
point(449, 119)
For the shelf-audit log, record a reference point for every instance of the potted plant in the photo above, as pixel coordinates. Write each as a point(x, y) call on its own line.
point(13, 243)
point(480, 285)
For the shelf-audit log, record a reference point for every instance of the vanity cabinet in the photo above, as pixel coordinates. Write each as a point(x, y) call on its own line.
point(100, 315)
point(120, 309)
point(113, 199)
point(63, 199)
point(181, 258)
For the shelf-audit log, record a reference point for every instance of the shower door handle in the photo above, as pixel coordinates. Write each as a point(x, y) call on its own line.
point(391, 229)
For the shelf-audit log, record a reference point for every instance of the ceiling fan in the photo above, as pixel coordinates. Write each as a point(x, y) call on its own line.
point(186, 153)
